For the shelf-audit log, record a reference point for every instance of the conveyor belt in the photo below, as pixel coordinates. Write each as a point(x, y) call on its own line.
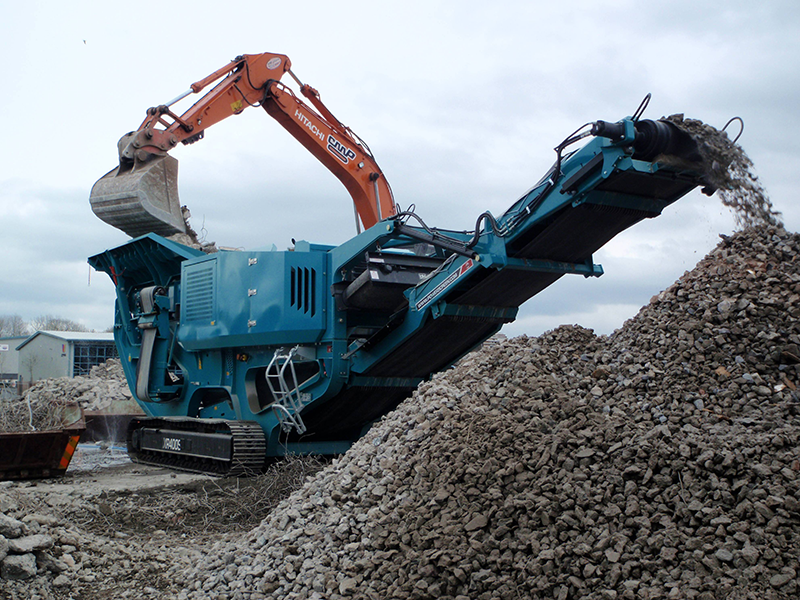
point(570, 236)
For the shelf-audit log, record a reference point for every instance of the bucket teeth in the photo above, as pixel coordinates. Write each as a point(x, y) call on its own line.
point(142, 199)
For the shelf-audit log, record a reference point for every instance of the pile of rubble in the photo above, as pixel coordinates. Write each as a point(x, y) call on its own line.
point(44, 555)
point(97, 391)
point(80, 539)
point(41, 407)
point(660, 462)
point(22, 553)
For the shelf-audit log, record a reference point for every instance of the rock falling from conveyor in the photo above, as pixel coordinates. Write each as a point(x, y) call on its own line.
point(731, 172)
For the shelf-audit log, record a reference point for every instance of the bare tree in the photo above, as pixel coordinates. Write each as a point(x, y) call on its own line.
point(31, 362)
point(54, 323)
point(12, 326)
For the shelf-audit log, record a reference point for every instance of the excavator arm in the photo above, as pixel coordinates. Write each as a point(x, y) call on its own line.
point(141, 196)
point(336, 147)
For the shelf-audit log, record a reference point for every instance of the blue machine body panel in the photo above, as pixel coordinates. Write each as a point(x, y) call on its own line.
point(253, 299)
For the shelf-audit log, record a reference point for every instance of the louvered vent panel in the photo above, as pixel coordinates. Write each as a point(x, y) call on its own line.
point(199, 289)
point(303, 287)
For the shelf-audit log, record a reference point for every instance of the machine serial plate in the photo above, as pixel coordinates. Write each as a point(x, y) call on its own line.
point(187, 443)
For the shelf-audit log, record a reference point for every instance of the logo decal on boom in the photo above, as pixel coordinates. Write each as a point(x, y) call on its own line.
point(309, 125)
point(339, 150)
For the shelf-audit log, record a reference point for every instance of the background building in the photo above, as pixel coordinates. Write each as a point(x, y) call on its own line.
point(62, 354)
point(9, 364)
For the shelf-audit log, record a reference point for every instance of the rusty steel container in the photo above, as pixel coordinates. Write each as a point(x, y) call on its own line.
point(41, 454)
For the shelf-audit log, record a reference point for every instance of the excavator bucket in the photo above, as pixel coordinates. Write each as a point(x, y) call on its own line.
point(140, 198)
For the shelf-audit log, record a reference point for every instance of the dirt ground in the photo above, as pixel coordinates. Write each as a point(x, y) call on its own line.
point(115, 495)
point(116, 525)
point(99, 468)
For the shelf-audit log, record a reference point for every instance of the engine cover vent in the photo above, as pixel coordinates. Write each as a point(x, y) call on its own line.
point(199, 291)
point(303, 287)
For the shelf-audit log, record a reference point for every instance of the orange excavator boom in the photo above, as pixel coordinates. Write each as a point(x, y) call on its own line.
point(140, 195)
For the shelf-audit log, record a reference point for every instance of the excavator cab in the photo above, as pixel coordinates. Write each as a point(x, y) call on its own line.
point(140, 196)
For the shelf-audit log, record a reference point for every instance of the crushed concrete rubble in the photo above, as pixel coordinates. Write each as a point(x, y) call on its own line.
point(76, 538)
point(662, 461)
point(44, 554)
point(731, 173)
point(104, 385)
point(191, 238)
point(105, 388)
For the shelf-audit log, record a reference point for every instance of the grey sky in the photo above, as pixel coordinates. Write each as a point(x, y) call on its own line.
point(461, 102)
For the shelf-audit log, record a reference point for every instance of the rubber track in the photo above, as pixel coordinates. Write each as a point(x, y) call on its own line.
point(249, 447)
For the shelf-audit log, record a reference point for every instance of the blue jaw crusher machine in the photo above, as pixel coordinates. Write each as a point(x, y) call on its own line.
point(239, 356)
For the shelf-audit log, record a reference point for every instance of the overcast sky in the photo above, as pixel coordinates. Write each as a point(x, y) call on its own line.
point(461, 103)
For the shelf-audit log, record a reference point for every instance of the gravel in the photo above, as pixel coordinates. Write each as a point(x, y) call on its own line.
point(105, 387)
point(731, 172)
point(76, 538)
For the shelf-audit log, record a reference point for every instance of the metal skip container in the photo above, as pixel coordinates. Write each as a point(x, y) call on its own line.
point(41, 454)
